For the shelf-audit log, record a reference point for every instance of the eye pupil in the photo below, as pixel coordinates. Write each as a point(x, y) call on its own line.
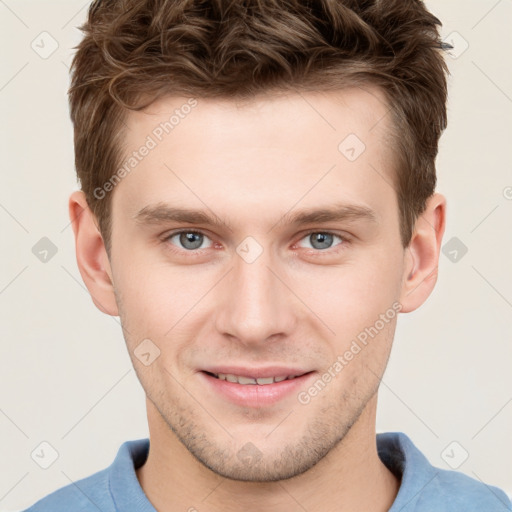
point(191, 238)
point(324, 239)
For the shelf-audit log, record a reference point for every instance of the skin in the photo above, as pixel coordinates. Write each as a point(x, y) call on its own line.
point(296, 304)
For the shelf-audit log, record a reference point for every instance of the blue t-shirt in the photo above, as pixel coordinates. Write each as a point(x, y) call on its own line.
point(423, 488)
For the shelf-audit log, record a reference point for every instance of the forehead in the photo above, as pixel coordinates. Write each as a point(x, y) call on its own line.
point(365, 111)
point(274, 150)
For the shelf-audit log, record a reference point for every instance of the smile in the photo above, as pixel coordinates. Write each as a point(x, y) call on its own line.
point(262, 381)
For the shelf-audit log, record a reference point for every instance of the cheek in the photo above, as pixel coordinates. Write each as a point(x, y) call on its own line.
point(153, 311)
point(349, 297)
point(158, 300)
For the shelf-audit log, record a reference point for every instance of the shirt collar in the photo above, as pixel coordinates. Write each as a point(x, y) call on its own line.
point(395, 449)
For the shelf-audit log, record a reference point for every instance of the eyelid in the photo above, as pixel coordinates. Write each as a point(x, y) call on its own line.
point(344, 236)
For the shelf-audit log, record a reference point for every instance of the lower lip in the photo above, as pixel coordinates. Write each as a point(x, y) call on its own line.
point(256, 395)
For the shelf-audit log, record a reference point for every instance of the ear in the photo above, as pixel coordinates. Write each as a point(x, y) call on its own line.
point(91, 255)
point(422, 255)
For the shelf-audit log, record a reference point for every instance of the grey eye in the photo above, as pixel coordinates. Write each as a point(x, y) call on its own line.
point(189, 240)
point(321, 240)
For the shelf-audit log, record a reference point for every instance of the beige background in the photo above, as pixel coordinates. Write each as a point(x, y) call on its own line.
point(66, 377)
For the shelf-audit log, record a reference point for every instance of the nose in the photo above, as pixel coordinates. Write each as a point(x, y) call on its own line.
point(255, 303)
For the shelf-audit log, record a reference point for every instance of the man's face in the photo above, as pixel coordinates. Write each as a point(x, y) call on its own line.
point(253, 289)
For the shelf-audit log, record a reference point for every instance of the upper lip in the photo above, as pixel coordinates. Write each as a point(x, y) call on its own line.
point(267, 371)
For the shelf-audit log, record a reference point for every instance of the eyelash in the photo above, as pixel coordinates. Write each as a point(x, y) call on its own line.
point(317, 252)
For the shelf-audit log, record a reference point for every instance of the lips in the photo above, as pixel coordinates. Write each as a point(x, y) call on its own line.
point(254, 387)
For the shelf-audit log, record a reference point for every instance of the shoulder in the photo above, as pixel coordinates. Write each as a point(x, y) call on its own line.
point(88, 494)
point(425, 487)
point(116, 484)
point(458, 489)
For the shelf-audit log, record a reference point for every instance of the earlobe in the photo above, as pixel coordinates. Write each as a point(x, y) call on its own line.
point(91, 255)
point(422, 259)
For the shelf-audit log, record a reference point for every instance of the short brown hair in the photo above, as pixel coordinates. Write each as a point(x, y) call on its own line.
point(136, 51)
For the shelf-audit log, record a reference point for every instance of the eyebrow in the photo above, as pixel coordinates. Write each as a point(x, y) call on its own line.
point(335, 213)
point(161, 212)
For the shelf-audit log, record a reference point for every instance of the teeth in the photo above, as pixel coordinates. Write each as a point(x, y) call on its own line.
point(249, 380)
point(265, 380)
point(246, 380)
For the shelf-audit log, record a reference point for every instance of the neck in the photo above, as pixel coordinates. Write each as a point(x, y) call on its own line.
point(350, 477)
